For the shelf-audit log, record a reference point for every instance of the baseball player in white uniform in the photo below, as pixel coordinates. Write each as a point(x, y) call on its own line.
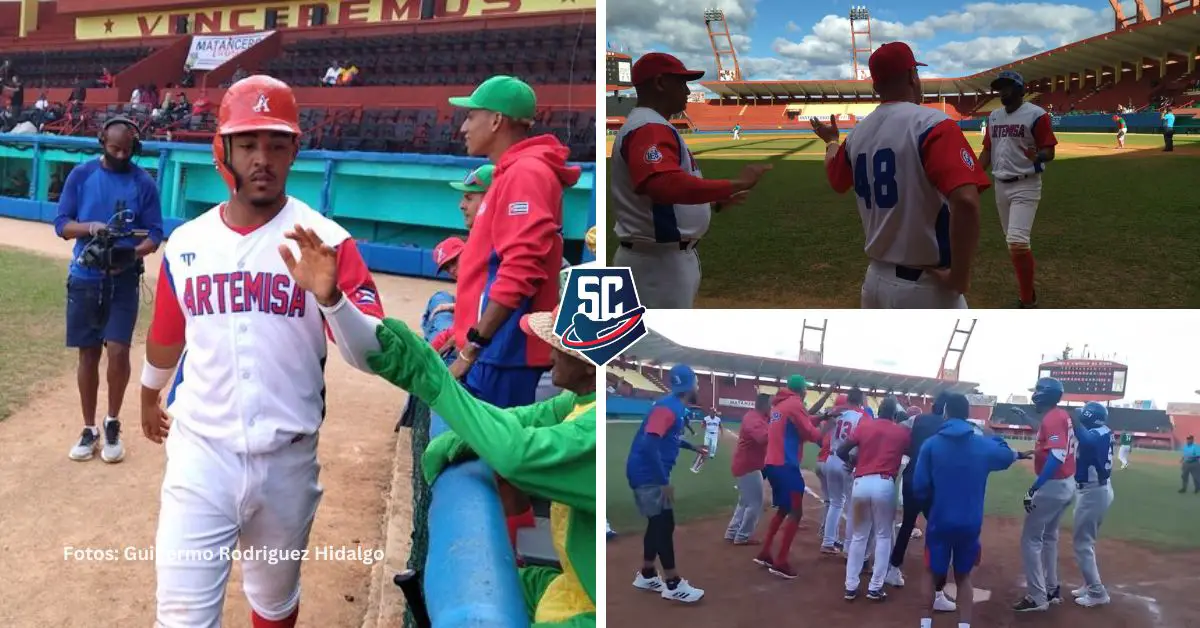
point(662, 203)
point(1019, 142)
point(247, 295)
point(712, 433)
point(917, 186)
point(838, 480)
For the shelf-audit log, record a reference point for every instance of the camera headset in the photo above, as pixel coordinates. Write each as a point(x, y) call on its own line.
point(137, 133)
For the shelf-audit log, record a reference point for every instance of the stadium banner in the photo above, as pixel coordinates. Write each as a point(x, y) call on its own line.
point(245, 18)
point(209, 51)
point(735, 403)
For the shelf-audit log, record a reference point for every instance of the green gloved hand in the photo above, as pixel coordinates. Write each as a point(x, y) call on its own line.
point(407, 361)
point(443, 451)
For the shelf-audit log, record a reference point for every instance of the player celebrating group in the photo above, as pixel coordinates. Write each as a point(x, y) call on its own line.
point(1049, 497)
point(1019, 141)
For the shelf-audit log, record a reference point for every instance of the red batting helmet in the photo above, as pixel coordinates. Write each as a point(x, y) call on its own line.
point(255, 103)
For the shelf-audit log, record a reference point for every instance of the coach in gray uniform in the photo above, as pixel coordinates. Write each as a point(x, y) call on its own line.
point(661, 203)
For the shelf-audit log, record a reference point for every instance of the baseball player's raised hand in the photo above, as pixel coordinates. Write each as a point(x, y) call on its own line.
point(156, 423)
point(827, 132)
point(316, 270)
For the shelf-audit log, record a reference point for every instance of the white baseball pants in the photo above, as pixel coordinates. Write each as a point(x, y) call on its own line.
point(882, 289)
point(666, 277)
point(214, 500)
point(873, 507)
point(710, 441)
point(837, 483)
point(1017, 203)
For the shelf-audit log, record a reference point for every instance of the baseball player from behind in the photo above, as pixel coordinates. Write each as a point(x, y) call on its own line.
point(837, 479)
point(881, 446)
point(1093, 469)
point(662, 203)
point(1049, 497)
point(712, 432)
point(917, 187)
point(1019, 142)
point(245, 319)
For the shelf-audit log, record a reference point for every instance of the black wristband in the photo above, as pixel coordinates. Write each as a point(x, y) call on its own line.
point(475, 337)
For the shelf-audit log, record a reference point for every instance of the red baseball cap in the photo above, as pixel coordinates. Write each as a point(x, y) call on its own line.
point(447, 251)
point(892, 59)
point(656, 64)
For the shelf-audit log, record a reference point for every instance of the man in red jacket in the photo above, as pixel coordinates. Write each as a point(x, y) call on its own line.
point(661, 201)
point(510, 264)
point(747, 468)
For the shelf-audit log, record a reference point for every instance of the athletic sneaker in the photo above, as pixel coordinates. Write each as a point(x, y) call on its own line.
point(831, 550)
point(1055, 596)
point(839, 546)
point(113, 450)
point(683, 592)
point(784, 571)
point(894, 577)
point(648, 584)
point(1027, 604)
point(850, 595)
point(764, 559)
point(1080, 592)
point(877, 596)
point(86, 447)
point(747, 542)
point(1089, 601)
point(943, 604)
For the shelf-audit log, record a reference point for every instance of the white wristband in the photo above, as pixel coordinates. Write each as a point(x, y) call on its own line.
point(155, 378)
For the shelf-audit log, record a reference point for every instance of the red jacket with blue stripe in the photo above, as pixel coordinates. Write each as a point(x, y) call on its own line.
point(514, 252)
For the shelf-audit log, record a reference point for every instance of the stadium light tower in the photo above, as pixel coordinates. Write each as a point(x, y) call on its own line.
point(722, 45)
point(810, 355)
point(860, 36)
point(946, 371)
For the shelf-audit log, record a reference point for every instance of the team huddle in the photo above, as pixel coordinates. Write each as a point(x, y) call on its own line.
point(942, 458)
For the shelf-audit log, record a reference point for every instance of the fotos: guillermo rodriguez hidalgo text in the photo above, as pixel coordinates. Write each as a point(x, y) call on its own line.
point(271, 555)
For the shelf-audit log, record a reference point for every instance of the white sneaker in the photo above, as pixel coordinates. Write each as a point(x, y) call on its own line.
point(649, 584)
point(894, 577)
point(1080, 592)
point(1089, 601)
point(942, 604)
point(113, 450)
point(86, 447)
point(683, 592)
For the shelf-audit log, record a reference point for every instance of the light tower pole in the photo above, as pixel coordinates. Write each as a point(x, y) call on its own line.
point(860, 40)
point(722, 45)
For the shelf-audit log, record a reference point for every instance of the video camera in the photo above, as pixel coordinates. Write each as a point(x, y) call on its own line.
point(105, 252)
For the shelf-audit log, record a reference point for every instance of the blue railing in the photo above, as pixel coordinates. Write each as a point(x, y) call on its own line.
point(398, 206)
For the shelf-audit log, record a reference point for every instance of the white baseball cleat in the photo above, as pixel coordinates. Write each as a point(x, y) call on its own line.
point(943, 604)
point(1080, 592)
point(649, 584)
point(1089, 601)
point(683, 592)
point(894, 577)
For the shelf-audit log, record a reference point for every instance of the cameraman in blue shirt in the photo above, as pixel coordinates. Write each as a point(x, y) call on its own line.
point(105, 205)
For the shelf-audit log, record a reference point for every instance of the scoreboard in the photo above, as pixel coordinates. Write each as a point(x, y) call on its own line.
point(1087, 380)
point(619, 70)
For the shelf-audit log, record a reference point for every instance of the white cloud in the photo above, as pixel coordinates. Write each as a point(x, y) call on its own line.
point(1002, 33)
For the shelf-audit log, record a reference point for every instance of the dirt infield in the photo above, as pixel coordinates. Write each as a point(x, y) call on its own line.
point(48, 502)
point(1149, 590)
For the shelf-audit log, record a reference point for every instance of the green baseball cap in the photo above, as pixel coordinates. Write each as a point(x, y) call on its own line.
point(478, 181)
point(796, 383)
point(501, 94)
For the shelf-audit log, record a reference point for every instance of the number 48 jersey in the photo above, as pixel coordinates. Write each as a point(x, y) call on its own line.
point(903, 160)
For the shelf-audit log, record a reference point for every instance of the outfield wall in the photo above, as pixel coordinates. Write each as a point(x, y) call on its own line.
point(398, 206)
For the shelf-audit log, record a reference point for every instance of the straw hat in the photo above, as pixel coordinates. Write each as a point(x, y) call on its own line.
point(541, 325)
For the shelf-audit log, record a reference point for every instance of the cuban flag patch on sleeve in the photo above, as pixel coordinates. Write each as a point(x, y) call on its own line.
point(653, 155)
point(1054, 438)
point(366, 296)
point(518, 209)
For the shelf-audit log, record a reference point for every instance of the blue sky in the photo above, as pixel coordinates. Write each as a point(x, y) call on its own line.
point(780, 39)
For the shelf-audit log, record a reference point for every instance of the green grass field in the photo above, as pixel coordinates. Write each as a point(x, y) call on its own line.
point(1115, 229)
point(1147, 510)
point(33, 290)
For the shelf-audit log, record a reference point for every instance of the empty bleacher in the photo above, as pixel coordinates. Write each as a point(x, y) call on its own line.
point(63, 68)
point(637, 380)
point(540, 56)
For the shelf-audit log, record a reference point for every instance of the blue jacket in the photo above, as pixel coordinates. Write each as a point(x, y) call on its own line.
point(952, 472)
point(651, 457)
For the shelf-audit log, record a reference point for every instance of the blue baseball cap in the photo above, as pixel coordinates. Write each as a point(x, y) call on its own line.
point(1009, 75)
point(682, 379)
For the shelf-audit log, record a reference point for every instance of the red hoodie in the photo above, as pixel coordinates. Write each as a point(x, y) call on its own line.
point(514, 251)
point(788, 428)
point(751, 445)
